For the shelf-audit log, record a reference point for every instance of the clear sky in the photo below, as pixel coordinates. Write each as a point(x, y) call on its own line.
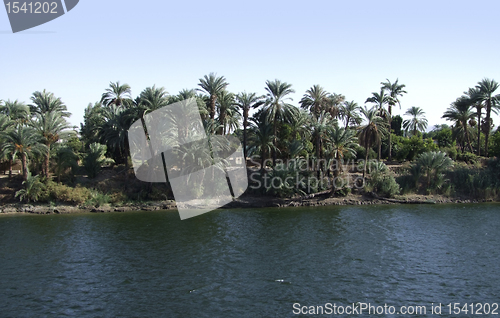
point(437, 48)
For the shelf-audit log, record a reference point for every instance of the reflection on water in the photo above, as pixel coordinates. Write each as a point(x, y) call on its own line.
point(252, 263)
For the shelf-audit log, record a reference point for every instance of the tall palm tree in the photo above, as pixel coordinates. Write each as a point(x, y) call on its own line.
point(150, 99)
point(276, 107)
point(349, 111)
point(395, 91)
point(6, 126)
point(262, 141)
point(334, 103)
point(322, 126)
point(343, 142)
point(372, 131)
point(460, 113)
point(25, 142)
point(379, 100)
point(16, 110)
point(45, 102)
point(212, 85)
point(246, 101)
point(114, 132)
point(51, 127)
point(315, 99)
point(487, 88)
point(117, 94)
point(418, 122)
point(473, 94)
point(228, 112)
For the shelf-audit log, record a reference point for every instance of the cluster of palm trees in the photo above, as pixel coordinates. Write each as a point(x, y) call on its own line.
point(467, 113)
point(325, 126)
point(29, 132)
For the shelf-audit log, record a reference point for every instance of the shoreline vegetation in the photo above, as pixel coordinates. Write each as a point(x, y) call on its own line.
point(326, 150)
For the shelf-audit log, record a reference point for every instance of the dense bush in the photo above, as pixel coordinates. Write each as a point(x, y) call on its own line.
point(467, 157)
point(409, 148)
point(59, 192)
point(382, 181)
point(33, 189)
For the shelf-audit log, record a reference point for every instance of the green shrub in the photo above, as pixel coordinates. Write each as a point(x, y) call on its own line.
point(98, 199)
point(384, 184)
point(467, 157)
point(95, 159)
point(33, 189)
point(451, 152)
point(63, 193)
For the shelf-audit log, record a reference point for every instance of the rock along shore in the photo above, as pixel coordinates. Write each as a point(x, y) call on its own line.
point(242, 202)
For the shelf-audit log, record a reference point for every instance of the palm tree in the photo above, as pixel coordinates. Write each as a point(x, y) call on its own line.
point(349, 112)
point(46, 102)
point(315, 100)
point(321, 130)
point(114, 132)
point(433, 163)
point(276, 107)
point(395, 91)
point(343, 142)
point(473, 94)
point(51, 126)
point(95, 159)
point(487, 88)
point(246, 101)
point(150, 99)
point(371, 133)
point(334, 103)
point(262, 140)
point(459, 112)
point(117, 94)
point(25, 142)
point(213, 86)
point(379, 100)
point(15, 110)
point(418, 122)
point(228, 112)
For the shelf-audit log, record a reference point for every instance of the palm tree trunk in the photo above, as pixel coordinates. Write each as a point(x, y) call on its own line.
point(347, 122)
point(10, 167)
point(25, 166)
point(212, 106)
point(479, 132)
point(318, 154)
point(46, 163)
point(380, 150)
point(245, 124)
point(366, 160)
point(275, 141)
point(390, 137)
point(487, 137)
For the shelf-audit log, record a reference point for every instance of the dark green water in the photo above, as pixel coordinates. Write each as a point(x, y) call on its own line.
point(247, 263)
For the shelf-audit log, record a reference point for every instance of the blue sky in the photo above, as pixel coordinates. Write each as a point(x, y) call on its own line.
point(438, 49)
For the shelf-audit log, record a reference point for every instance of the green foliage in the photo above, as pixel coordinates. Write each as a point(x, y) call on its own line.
point(451, 152)
point(281, 181)
point(409, 148)
point(33, 189)
point(467, 157)
point(495, 144)
point(480, 183)
point(432, 164)
point(396, 124)
point(98, 199)
point(62, 193)
point(444, 138)
point(95, 159)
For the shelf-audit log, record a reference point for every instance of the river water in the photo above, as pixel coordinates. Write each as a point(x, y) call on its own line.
point(248, 263)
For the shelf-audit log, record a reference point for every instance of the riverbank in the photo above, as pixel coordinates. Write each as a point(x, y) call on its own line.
point(242, 202)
